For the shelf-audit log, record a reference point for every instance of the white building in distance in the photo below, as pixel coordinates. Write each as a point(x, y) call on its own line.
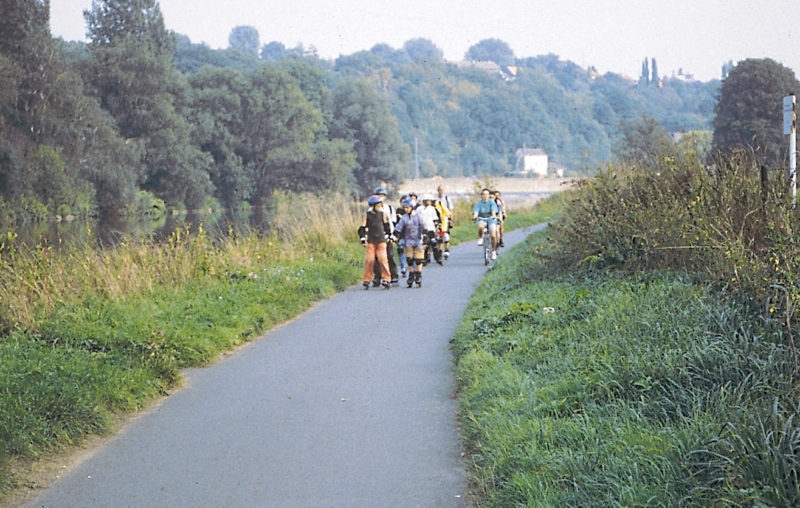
point(531, 161)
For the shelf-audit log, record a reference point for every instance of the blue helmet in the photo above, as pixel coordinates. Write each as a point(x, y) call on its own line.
point(380, 190)
point(374, 200)
point(410, 202)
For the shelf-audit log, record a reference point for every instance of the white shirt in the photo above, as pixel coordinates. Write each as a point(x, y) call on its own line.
point(428, 215)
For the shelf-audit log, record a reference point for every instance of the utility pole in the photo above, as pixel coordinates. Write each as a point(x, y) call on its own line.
point(416, 156)
point(790, 128)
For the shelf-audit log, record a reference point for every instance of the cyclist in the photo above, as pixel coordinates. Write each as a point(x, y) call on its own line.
point(485, 212)
point(374, 232)
point(501, 218)
point(411, 229)
point(389, 211)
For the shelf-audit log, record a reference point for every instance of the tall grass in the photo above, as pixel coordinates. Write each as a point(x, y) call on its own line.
point(87, 333)
point(602, 389)
point(35, 280)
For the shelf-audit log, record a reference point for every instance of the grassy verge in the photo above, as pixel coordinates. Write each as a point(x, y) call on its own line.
point(610, 390)
point(92, 334)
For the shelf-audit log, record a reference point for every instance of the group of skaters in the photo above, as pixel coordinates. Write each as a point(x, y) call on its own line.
point(417, 231)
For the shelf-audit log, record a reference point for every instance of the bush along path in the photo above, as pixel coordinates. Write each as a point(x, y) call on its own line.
point(610, 390)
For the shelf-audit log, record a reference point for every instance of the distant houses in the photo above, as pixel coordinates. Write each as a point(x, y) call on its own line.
point(531, 161)
point(508, 73)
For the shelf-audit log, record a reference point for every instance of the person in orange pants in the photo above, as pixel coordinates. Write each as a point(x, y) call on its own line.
point(374, 233)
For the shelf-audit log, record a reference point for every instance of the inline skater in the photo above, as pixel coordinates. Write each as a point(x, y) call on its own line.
point(443, 231)
point(401, 254)
point(389, 211)
point(446, 208)
point(431, 217)
point(485, 212)
point(374, 232)
point(411, 229)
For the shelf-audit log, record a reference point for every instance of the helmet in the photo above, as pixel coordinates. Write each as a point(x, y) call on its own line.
point(412, 193)
point(374, 200)
point(403, 198)
point(380, 190)
point(427, 197)
point(410, 202)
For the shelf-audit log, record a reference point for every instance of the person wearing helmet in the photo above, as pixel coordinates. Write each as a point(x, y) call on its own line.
point(401, 243)
point(389, 211)
point(431, 217)
point(374, 232)
point(501, 217)
point(411, 229)
point(445, 203)
point(485, 212)
point(443, 230)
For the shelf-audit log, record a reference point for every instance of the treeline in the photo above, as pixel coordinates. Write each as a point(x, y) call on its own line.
point(142, 118)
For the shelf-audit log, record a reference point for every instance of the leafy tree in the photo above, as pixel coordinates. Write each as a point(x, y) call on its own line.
point(191, 57)
point(394, 57)
point(423, 50)
point(134, 77)
point(749, 110)
point(362, 117)
point(273, 52)
point(21, 21)
point(244, 38)
point(215, 113)
point(642, 142)
point(111, 21)
point(276, 132)
point(492, 50)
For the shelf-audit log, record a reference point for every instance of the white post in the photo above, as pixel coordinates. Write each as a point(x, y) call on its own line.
point(790, 128)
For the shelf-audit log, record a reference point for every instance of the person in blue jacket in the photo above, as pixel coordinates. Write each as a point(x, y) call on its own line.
point(485, 212)
point(411, 230)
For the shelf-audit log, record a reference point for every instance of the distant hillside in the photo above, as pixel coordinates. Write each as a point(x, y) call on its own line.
point(469, 118)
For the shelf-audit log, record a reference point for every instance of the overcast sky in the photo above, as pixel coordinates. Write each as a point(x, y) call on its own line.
point(698, 36)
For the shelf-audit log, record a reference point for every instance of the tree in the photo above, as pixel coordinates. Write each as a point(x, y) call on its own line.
point(21, 20)
point(492, 50)
point(275, 133)
point(642, 142)
point(654, 73)
point(362, 117)
point(273, 52)
point(132, 71)
point(423, 50)
point(749, 109)
point(645, 77)
point(244, 38)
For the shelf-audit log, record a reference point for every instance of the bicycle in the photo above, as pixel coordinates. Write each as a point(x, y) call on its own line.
point(487, 241)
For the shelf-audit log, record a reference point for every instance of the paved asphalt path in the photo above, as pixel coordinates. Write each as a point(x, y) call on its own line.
point(352, 404)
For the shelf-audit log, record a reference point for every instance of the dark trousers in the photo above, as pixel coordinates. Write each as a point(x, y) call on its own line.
point(392, 263)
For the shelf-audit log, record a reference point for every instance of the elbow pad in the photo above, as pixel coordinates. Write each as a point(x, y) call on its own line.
point(386, 229)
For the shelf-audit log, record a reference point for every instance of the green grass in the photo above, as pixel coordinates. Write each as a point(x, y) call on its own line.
point(90, 360)
point(89, 335)
point(608, 390)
